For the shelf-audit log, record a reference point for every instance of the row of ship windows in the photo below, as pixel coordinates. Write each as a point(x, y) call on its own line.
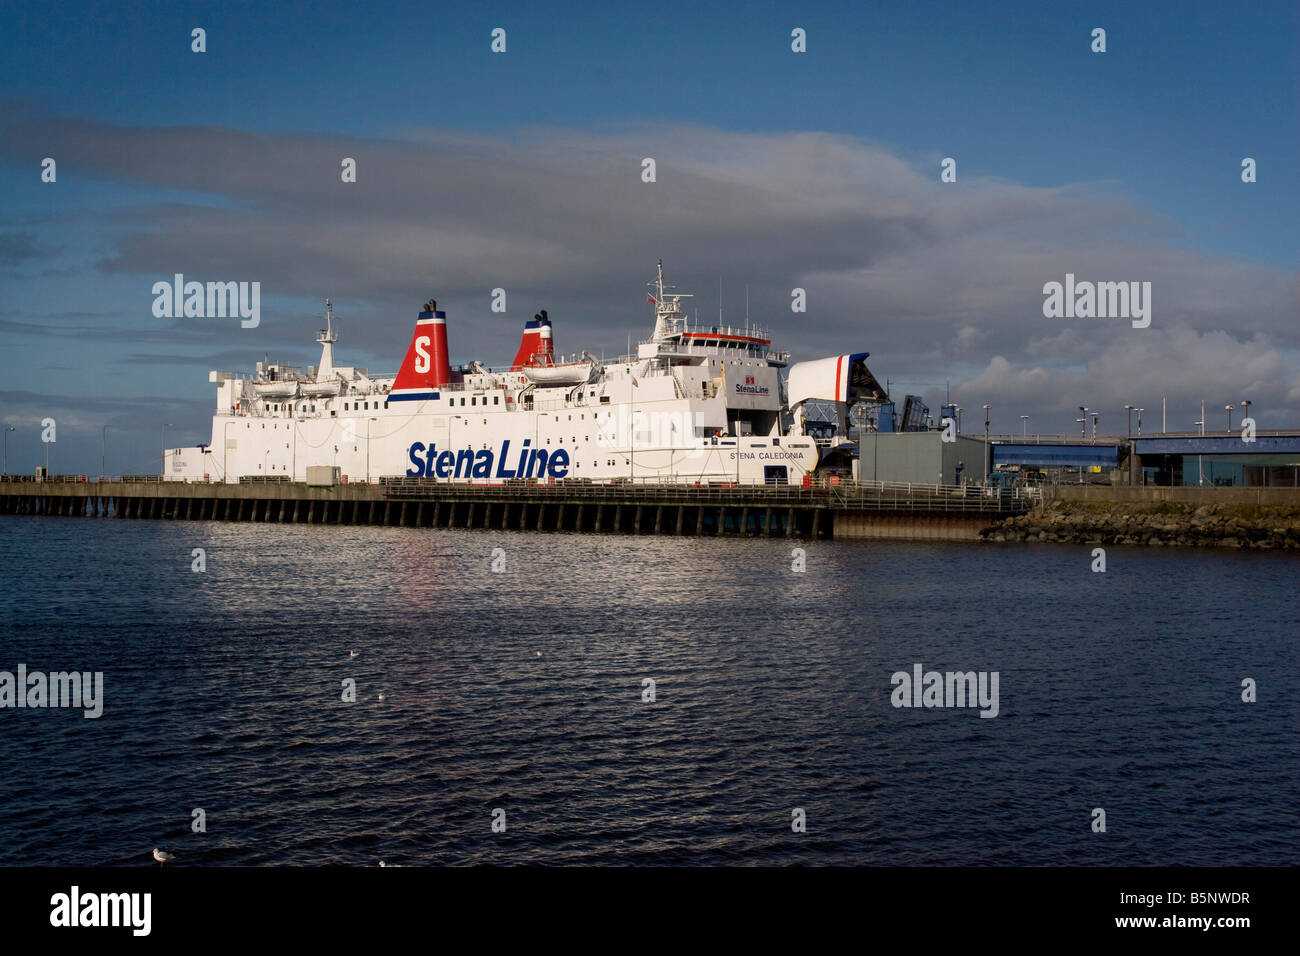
point(473, 400)
point(365, 406)
point(451, 403)
point(360, 406)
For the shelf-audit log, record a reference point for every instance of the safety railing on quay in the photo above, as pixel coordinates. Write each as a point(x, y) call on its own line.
point(841, 494)
point(847, 495)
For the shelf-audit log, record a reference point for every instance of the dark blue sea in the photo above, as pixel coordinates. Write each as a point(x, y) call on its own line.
point(522, 691)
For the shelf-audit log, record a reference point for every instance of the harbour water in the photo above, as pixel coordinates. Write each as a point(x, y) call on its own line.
point(522, 690)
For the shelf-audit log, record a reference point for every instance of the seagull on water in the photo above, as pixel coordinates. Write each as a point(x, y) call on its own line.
point(354, 653)
point(162, 856)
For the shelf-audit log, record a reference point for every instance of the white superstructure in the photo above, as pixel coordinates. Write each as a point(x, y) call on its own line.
point(702, 404)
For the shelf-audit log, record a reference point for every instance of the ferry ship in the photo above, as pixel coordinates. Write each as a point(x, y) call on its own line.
point(694, 404)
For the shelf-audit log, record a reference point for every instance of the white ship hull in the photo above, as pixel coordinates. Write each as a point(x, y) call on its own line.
point(700, 406)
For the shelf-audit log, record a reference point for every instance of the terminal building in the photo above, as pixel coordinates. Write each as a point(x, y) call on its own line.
point(1271, 460)
point(868, 438)
point(1178, 459)
point(909, 447)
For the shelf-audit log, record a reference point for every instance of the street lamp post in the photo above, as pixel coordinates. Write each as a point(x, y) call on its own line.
point(1024, 427)
point(1228, 408)
point(1245, 408)
point(988, 454)
point(1200, 461)
point(1140, 411)
point(1132, 464)
point(1083, 421)
point(103, 451)
point(8, 429)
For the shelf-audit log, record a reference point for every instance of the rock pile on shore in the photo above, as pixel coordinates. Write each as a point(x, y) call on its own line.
point(1155, 523)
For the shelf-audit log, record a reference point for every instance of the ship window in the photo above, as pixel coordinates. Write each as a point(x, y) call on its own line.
point(604, 399)
point(462, 401)
point(473, 401)
point(333, 413)
point(345, 406)
point(385, 404)
point(496, 399)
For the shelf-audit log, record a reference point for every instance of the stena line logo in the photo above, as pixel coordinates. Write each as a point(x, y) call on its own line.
point(468, 463)
point(422, 361)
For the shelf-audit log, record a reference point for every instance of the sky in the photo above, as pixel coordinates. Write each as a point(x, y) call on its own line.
point(522, 170)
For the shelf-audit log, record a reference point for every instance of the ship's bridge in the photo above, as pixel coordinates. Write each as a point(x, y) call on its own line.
point(714, 342)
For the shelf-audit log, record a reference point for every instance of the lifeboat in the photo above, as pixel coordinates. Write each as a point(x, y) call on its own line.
point(567, 373)
point(275, 389)
point(314, 389)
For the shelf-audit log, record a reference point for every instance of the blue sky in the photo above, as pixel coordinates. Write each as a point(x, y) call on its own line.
point(1153, 130)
